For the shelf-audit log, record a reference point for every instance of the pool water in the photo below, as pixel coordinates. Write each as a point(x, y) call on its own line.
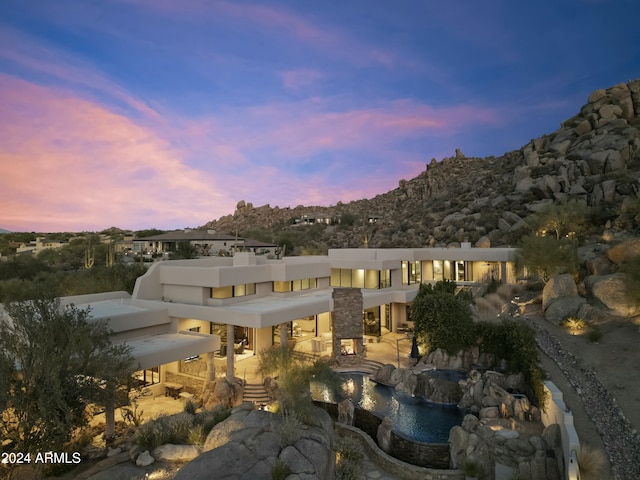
point(412, 417)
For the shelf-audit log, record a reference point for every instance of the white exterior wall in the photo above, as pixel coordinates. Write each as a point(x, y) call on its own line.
point(183, 286)
point(556, 411)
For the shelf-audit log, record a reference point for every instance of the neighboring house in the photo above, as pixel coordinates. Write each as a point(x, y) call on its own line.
point(207, 243)
point(125, 245)
point(40, 244)
point(311, 218)
point(183, 313)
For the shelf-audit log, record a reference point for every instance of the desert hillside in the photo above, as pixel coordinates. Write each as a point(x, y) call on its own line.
point(594, 157)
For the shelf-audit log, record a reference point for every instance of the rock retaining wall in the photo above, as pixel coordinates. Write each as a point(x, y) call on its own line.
point(398, 468)
point(427, 455)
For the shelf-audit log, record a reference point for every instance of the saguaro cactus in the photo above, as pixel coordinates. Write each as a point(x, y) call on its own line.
point(111, 255)
point(89, 257)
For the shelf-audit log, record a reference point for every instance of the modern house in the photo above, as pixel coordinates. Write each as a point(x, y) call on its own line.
point(40, 244)
point(185, 313)
point(207, 243)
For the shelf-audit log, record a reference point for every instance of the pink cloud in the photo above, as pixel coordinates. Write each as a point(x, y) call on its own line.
point(22, 50)
point(304, 128)
point(72, 164)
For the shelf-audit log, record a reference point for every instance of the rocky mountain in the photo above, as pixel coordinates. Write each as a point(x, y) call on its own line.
point(594, 157)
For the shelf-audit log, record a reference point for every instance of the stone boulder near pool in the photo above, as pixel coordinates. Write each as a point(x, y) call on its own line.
point(250, 442)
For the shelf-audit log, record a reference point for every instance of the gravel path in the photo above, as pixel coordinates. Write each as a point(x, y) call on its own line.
point(621, 440)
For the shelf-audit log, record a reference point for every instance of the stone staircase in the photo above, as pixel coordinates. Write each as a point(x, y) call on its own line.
point(364, 365)
point(255, 392)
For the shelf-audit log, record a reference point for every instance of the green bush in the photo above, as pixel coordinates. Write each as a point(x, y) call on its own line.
point(443, 319)
point(515, 343)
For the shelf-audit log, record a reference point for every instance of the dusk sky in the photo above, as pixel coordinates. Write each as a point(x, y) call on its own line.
point(166, 113)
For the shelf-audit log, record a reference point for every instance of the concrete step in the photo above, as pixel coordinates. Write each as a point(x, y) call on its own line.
point(255, 392)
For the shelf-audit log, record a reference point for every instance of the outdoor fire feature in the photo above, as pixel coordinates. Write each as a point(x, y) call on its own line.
point(348, 339)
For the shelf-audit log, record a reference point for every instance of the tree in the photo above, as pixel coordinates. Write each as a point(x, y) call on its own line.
point(564, 220)
point(150, 232)
point(54, 363)
point(184, 251)
point(443, 319)
point(547, 256)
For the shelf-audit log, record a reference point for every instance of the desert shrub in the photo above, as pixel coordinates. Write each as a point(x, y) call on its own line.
point(574, 323)
point(591, 462)
point(132, 414)
point(190, 407)
point(496, 300)
point(203, 422)
point(595, 334)
point(289, 429)
point(508, 291)
point(349, 458)
point(280, 470)
point(486, 310)
point(197, 436)
point(493, 286)
point(470, 468)
point(207, 419)
point(171, 429)
point(294, 374)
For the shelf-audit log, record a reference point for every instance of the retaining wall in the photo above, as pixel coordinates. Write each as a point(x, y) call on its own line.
point(556, 411)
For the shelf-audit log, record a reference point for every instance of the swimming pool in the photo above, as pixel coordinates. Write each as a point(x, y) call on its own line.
point(412, 417)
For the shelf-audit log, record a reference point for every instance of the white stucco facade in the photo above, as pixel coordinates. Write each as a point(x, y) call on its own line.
point(223, 306)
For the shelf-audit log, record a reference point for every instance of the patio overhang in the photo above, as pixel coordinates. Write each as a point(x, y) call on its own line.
point(153, 350)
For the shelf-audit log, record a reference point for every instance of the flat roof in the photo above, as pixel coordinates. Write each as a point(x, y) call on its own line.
point(153, 350)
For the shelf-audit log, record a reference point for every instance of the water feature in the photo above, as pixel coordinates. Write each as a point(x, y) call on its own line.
point(446, 374)
point(412, 417)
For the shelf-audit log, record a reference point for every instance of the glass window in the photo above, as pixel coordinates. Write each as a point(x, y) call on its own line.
point(372, 279)
point(411, 272)
point(357, 278)
point(280, 286)
point(222, 292)
point(150, 376)
point(385, 278)
point(234, 291)
point(345, 277)
point(335, 277)
point(438, 271)
point(372, 321)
